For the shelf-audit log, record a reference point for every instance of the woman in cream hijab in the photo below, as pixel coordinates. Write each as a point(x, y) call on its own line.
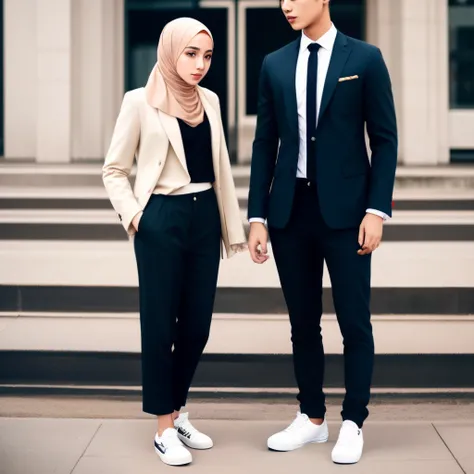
point(182, 209)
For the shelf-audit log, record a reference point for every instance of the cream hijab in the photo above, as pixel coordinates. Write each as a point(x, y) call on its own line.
point(165, 89)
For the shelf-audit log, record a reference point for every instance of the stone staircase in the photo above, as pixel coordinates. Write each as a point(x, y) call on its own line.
point(69, 299)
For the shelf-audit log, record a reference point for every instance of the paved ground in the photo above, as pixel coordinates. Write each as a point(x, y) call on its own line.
point(84, 436)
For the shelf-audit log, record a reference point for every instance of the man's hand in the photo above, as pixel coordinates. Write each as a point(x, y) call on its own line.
point(258, 237)
point(136, 220)
point(370, 233)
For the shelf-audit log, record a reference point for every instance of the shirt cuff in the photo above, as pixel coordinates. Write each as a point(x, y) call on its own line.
point(256, 219)
point(378, 213)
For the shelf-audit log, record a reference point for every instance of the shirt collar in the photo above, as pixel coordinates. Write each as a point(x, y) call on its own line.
point(326, 41)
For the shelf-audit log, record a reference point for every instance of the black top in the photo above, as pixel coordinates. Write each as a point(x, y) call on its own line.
point(198, 150)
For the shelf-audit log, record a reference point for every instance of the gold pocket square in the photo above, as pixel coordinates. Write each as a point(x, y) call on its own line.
point(348, 78)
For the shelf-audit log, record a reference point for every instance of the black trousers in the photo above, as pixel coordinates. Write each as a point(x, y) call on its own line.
point(300, 250)
point(177, 249)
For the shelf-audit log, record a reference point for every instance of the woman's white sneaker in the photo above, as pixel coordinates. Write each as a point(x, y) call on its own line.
point(171, 449)
point(348, 449)
point(299, 433)
point(189, 435)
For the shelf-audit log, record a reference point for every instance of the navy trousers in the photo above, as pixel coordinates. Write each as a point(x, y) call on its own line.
point(177, 249)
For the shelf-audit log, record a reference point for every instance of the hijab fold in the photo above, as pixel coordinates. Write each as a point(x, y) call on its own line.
point(165, 89)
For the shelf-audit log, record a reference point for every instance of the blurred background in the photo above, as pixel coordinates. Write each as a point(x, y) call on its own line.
point(68, 286)
point(67, 63)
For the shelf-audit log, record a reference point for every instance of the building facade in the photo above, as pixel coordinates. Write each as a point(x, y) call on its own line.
point(67, 64)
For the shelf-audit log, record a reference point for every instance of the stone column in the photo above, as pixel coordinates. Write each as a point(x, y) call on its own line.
point(53, 46)
point(413, 37)
point(113, 79)
point(97, 76)
point(64, 71)
point(20, 79)
point(425, 73)
point(383, 30)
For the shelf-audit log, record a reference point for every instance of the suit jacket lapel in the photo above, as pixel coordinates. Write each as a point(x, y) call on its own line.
point(214, 122)
point(339, 56)
point(290, 85)
point(171, 126)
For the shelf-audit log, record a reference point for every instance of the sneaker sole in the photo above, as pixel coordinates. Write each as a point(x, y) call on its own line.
point(347, 462)
point(171, 463)
point(316, 441)
point(342, 463)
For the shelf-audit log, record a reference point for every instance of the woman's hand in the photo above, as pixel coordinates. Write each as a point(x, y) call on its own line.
point(136, 220)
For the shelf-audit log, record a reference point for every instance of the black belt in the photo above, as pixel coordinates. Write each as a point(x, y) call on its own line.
point(305, 182)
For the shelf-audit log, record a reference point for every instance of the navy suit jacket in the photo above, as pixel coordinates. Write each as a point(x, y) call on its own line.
point(347, 182)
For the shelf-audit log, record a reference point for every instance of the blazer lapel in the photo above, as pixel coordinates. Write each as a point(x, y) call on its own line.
point(171, 126)
point(214, 122)
point(290, 85)
point(339, 56)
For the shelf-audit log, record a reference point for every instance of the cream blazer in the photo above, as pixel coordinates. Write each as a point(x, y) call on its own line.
point(153, 139)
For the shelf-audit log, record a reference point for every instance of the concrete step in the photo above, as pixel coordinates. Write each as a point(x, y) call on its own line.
point(102, 352)
point(400, 405)
point(69, 297)
point(104, 225)
point(231, 333)
point(72, 175)
point(94, 197)
point(109, 216)
point(112, 264)
point(101, 276)
point(93, 216)
point(255, 302)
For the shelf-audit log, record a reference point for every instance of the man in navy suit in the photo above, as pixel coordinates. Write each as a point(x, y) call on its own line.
point(323, 200)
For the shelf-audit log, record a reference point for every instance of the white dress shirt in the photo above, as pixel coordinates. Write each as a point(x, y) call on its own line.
point(324, 57)
point(326, 43)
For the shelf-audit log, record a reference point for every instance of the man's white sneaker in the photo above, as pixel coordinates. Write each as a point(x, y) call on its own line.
point(171, 449)
point(189, 435)
point(299, 433)
point(348, 449)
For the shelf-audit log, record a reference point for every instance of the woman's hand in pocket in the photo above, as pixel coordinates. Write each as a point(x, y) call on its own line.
point(136, 220)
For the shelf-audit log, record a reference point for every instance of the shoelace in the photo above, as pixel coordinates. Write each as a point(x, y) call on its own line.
point(187, 426)
point(297, 423)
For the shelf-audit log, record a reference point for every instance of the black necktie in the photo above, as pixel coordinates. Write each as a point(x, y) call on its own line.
point(311, 85)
